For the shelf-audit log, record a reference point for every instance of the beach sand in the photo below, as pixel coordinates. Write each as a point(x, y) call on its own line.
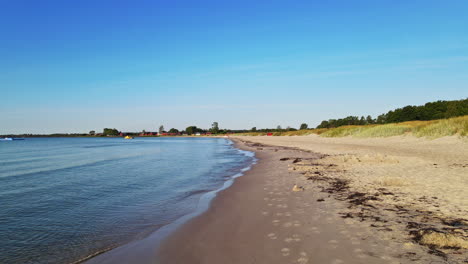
point(361, 201)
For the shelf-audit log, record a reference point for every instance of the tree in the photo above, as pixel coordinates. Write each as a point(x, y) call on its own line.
point(381, 119)
point(254, 129)
point(161, 129)
point(303, 126)
point(92, 132)
point(362, 121)
point(110, 132)
point(278, 127)
point(215, 128)
point(191, 130)
point(369, 120)
point(324, 124)
point(173, 131)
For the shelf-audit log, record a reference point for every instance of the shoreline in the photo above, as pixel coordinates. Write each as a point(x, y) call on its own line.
point(142, 249)
point(261, 220)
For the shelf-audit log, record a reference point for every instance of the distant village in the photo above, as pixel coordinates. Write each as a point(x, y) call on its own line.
point(157, 134)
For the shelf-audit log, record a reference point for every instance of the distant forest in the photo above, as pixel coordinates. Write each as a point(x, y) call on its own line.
point(429, 111)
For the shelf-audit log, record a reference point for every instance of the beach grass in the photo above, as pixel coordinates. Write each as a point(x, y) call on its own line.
point(429, 129)
point(442, 240)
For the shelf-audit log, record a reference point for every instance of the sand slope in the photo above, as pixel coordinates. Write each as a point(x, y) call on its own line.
point(364, 201)
point(415, 166)
point(414, 187)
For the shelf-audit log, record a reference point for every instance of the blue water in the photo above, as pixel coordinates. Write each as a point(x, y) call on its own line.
point(63, 199)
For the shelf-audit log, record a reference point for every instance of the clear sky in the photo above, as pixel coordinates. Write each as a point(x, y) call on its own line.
point(75, 66)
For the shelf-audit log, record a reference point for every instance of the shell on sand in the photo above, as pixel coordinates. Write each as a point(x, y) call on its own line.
point(297, 188)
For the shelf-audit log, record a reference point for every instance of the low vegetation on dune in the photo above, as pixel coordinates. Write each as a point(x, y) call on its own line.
point(428, 129)
point(442, 240)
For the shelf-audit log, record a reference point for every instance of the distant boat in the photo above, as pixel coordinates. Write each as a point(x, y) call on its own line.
point(128, 137)
point(10, 139)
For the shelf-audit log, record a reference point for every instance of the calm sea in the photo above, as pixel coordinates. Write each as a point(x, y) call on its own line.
point(63, 199)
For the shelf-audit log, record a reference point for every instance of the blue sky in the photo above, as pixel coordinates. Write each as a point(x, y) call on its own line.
point(75, 66)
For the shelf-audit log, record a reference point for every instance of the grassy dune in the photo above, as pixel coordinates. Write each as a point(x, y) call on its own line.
point(429, 129)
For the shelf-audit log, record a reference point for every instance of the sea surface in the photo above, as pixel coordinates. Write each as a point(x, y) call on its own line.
point(65, 199)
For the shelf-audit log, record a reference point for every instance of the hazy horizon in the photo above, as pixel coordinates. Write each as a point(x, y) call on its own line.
point(75, 67)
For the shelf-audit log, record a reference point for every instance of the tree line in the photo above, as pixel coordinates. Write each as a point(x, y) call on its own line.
point(428, 111)
point(190, 130)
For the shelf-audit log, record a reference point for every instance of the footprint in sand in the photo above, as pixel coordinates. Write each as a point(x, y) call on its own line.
point(315, 230)
point(266, 198)
point(337, 261)
point(294, 223)
point(270, 204)
point(303, 259)
point(282, 206)
point(333, 244)
point(294, 238)
point(276, 222)
point(272, 236)
point(287, 214)
point(285, 251)
point(279, 214)
point(265, 213)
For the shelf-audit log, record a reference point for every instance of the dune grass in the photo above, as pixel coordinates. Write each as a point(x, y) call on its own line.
point(429, 129)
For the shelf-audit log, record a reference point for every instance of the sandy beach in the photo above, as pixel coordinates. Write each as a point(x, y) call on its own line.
point(392, 200)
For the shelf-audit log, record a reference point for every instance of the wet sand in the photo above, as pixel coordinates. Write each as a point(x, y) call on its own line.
point(260, 219)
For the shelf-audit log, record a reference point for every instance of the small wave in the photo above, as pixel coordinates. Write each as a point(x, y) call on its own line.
point(101, 146)
point(191, 193)
point(102, 251)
